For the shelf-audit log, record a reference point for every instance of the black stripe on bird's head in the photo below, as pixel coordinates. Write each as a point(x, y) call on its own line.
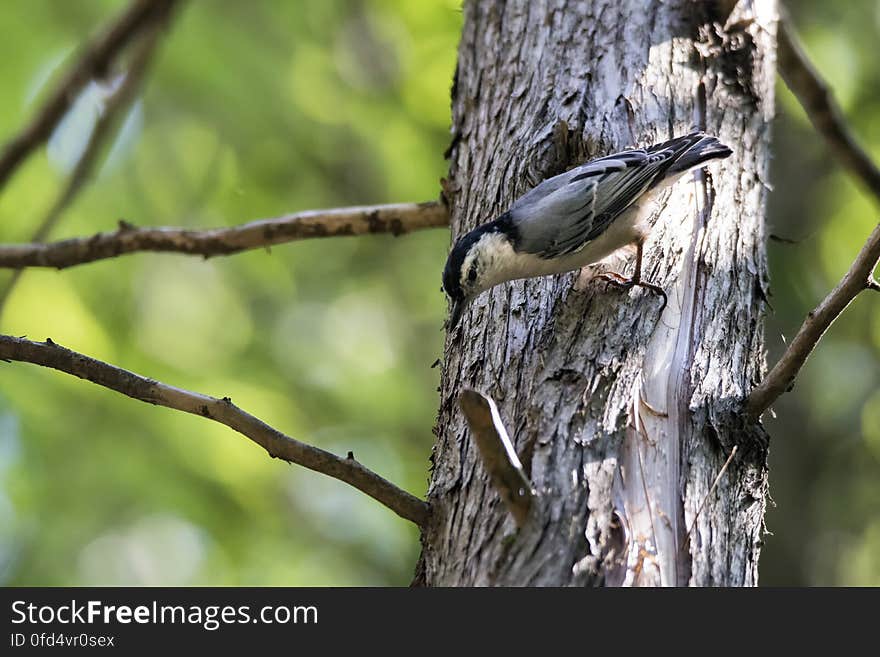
point(462, 273)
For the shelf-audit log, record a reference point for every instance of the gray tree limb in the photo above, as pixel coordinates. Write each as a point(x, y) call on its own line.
point(496, 450)
point(781, 378)
point(158, 15)
point(822, 109)
point(396, 219)
point(277, 444)
point(826, 116)
point(93, 61)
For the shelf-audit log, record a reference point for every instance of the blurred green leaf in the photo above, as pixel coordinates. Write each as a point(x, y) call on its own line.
point(250, 112)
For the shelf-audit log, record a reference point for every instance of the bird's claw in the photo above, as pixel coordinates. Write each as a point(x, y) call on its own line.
point(615, 279)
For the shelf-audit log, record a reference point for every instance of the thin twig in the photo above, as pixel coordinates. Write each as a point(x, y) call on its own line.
point(104, 128)
point(822, 109)
point(711, 490)
point(498, 455)
point(781, 377)
point(395, 218)
point(277, 444)
point(94, 61)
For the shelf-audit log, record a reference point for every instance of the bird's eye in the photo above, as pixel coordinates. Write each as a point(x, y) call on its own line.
point(472, 274)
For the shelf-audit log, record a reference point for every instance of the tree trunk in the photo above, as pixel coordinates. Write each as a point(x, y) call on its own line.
point(623, 418)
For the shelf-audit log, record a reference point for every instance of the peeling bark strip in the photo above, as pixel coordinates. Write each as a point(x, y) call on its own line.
point(277, 444)
point(624, 419)
point(396, 219)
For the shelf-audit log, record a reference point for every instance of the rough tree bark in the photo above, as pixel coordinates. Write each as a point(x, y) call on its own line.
point(622, 419)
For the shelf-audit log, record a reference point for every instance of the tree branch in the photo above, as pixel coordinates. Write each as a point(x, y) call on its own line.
point(103, 129)
point(498, 455)
point(823, 111)
point(94, 61)
point(277, 444)
point(396, 219)
point(781, 377)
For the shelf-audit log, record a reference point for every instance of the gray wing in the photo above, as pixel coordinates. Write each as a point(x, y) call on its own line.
point(565, 212)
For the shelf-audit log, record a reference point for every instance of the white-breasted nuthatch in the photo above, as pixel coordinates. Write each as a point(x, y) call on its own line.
point(574, 219)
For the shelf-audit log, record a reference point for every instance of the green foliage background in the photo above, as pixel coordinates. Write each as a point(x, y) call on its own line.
point(258, 109)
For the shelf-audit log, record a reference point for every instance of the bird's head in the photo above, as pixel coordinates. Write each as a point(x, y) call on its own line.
point(475, 264)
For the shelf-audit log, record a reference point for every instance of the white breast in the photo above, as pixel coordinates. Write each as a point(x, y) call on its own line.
point(502, 263)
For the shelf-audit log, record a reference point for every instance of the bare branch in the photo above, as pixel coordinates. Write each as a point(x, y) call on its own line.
point(781, 377)
point(814, 95)
point(498, 454)
point(822, 109)
point(396, 219)
point(104, 127)
point(277, 444)
point(94, 61)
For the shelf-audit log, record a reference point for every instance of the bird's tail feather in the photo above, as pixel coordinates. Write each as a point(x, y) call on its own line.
point(698, 149)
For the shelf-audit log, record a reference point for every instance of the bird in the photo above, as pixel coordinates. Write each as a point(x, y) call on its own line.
point(575, 219)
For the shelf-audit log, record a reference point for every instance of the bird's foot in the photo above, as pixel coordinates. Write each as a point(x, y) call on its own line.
point(615, 279)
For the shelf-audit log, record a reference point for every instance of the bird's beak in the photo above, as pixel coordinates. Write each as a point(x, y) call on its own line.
point(455, 315)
